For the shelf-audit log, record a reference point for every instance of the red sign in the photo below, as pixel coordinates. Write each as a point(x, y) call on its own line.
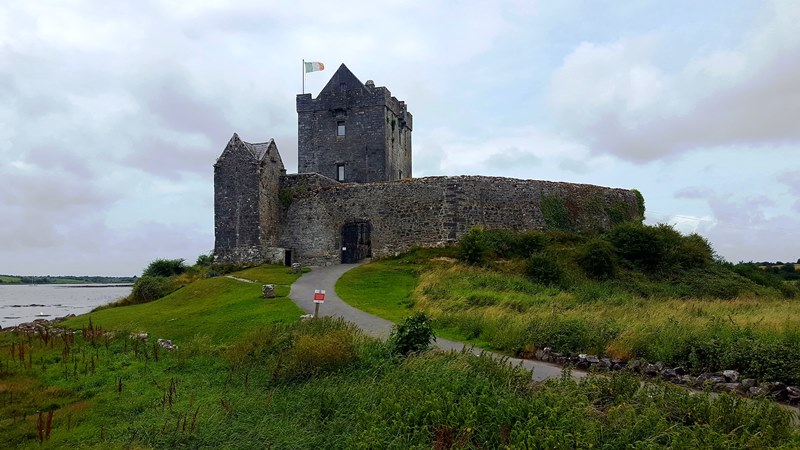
point(319, 295)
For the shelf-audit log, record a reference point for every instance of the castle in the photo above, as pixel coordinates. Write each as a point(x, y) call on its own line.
point(354, 196)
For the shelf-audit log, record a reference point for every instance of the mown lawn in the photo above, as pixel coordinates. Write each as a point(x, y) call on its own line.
point(381, 289)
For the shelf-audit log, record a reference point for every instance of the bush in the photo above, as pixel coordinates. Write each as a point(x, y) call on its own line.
point(149, 288)
point(544, 269)
point(413, 335)
point(164, 268)
point(640, 245)
point(639, 202)
point(205, 260)
point(596, 258)
point(474, 248)
point(529, 243)
point(694, 251)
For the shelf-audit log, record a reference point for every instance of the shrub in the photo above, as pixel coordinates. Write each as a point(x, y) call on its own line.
point(500, 243)
point(529, 243)
point(640, 245)
point(596, 258)
point(149, 288)
point(205, 260)
point(639, 202)
point(544, 269)
point(413, 335)
point(694, 251)
point(164, 268)
point(473, 247)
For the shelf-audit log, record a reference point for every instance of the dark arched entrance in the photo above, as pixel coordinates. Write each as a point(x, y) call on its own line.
point(356, 242)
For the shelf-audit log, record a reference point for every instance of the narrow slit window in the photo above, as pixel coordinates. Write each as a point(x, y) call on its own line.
point(340, 172)
point(340, 128)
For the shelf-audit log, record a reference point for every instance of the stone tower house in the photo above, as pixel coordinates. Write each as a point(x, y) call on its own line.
point(354, 132)
point(246, 205)
point(347, 204)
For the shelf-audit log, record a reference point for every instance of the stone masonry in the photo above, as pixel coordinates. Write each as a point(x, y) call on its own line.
point(437, 211)
point(358, 127)
point(362, 132)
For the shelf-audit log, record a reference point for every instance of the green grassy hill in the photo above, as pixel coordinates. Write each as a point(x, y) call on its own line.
point(248, 374)
point(219, 308)
point(685, 309)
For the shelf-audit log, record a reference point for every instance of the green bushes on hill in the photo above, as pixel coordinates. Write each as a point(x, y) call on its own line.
point(164, 268)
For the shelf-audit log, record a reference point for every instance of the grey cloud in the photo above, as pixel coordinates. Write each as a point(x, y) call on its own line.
point(180, 108)
point(574, 165)
point(640, 113)
point(791, 180)
point(693, 192)
point(513, 158)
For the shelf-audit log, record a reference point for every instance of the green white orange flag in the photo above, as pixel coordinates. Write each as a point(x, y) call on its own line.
point(314, 66)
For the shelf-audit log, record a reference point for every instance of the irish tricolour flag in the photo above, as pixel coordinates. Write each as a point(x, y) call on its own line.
point(314, 66)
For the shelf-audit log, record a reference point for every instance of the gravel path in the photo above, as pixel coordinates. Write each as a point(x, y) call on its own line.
point(302, 294)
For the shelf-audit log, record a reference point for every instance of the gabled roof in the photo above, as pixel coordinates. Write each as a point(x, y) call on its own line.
point(342, 78)
point(260, 149)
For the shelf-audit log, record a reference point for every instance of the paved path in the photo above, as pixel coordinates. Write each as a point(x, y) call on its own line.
point(302, 294)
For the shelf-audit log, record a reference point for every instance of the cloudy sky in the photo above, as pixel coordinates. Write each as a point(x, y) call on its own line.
point(113, 112)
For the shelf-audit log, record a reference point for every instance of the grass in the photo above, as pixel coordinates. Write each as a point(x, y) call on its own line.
point(219, 308)
point(494, 307)
point(380, 289)
point(269, 389)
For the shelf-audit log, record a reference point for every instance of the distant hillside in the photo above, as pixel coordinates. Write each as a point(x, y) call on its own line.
point(63, 279)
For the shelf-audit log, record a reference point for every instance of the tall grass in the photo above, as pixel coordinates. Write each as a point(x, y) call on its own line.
point(270, 388)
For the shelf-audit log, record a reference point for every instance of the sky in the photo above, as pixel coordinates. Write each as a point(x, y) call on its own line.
point(112, 113)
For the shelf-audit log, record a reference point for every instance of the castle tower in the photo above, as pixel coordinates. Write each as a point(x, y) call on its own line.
point(354, 132)
point(246, 204)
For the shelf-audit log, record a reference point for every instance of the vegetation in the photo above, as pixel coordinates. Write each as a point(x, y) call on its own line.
point(635, 292)
point(412, 335)
point(247, 374)
point(321, 384)
point(165, 268)
point(220, 308)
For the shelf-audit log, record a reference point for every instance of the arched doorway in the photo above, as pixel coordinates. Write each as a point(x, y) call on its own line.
point(356, 242)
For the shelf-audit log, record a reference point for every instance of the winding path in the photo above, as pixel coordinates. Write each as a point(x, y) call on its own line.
point(302, 294)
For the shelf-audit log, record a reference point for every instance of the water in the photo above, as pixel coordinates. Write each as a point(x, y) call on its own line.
point(24, 302)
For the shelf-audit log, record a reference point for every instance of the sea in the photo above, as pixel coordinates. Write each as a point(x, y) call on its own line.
point(21, 303)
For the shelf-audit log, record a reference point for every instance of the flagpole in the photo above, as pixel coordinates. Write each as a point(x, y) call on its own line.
point(304, 76)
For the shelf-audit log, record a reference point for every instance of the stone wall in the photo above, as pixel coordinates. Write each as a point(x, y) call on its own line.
point(237, 218)
point(437, 211)
point(247, 208)
point(270, 172)
point(376, 145)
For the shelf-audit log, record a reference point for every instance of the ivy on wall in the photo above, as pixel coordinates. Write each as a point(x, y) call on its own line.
point(556, 215)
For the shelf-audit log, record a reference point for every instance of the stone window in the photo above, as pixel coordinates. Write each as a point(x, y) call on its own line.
point(340, 172)
point(340, 128)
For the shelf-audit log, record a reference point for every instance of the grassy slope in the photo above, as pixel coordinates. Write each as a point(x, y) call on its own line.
point(318, 385)
point(510, 313)
point(221, 308)
point(380, 289)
